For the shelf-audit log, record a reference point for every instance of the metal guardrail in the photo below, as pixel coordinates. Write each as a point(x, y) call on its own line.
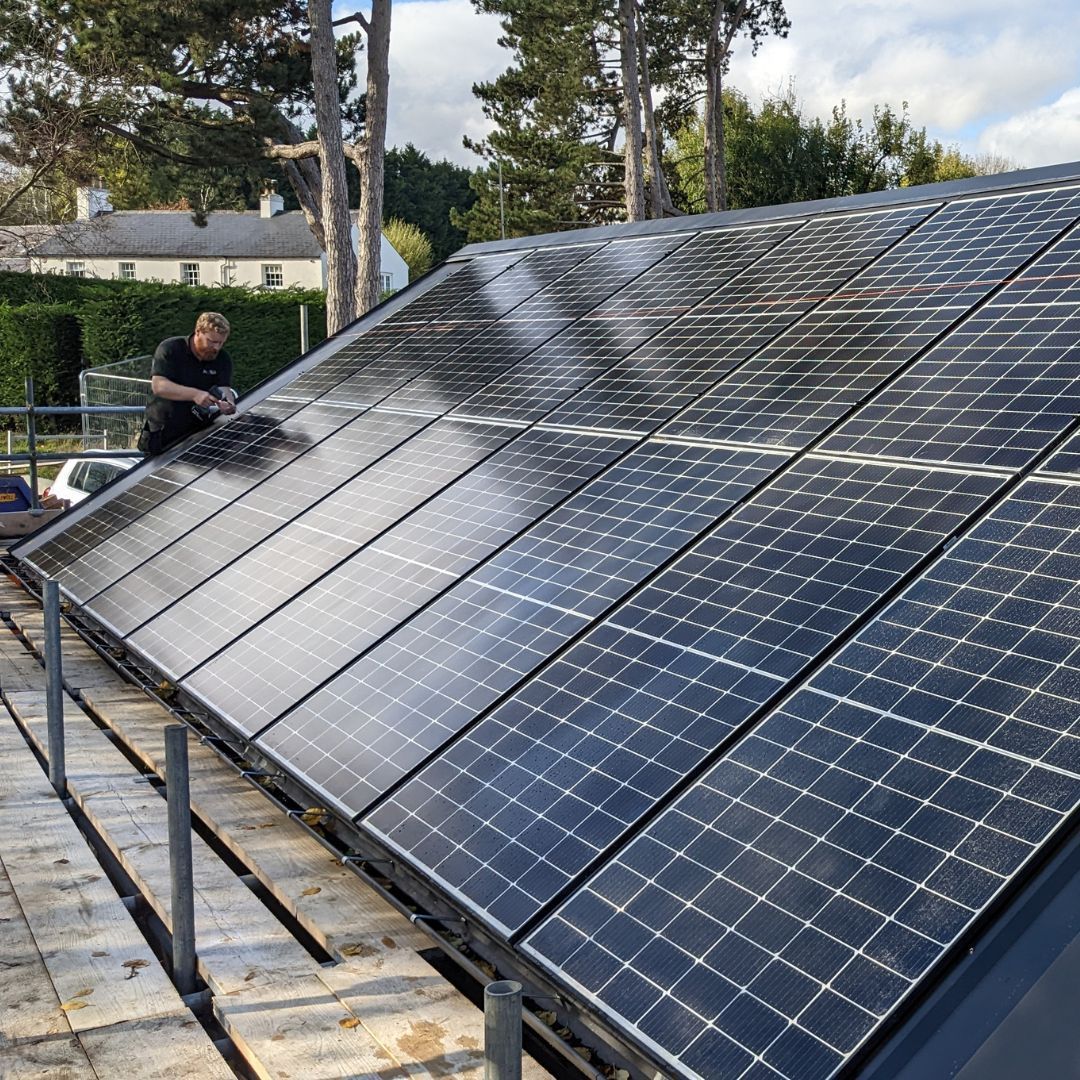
point(33, 455)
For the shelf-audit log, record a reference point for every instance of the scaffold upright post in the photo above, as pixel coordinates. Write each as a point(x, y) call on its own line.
point(502, 1030)
point(54, 688)
point(178, 794)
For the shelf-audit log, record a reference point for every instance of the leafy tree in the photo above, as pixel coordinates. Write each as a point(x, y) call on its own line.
point(423, 193)
point(555, 111)
point(411, 244)
point(775, 155)
point(144, 73)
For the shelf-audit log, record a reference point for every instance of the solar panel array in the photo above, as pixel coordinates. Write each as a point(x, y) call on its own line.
point(695, 609)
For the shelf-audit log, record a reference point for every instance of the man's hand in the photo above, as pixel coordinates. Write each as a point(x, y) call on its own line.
point(203, 398)
point(226, 406)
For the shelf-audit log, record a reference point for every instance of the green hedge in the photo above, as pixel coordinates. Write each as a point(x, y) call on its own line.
point(42, 341)
point(265, 326)
point(119, 319)
point(22, 288)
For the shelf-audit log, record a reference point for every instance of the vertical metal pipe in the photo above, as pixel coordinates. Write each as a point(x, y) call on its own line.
point(183, 893)
point(502, 1030)
point(31, 442)
point(304, 335)
point(502, 212)
point(54, 689)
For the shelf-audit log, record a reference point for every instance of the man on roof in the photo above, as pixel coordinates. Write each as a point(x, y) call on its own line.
point(190, 384)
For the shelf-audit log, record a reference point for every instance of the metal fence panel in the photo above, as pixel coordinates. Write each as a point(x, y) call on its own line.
point(127, 382)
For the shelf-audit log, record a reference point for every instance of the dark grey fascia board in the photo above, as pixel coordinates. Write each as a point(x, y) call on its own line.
point(910, 196)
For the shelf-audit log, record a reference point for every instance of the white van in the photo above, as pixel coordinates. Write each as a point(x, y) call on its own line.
point(80, 477)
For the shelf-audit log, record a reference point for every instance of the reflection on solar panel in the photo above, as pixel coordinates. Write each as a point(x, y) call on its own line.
point(998, 390)
point(317, 541)
point(535, 792)
point(327, 626)
point(791, 898)
point(684, 360)
point(327, 468)
point(794, 389)
point(692, 606)
point(382, 716)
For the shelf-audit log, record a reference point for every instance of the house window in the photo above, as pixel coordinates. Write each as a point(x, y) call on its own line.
point(189, 273)
point(76, 269)
point(127, 271)
point(273, 275)
point(386, 282)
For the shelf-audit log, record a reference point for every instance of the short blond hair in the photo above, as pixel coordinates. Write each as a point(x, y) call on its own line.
point(212, 320)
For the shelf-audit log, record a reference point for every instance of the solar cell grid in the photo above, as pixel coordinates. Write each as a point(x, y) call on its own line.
point(192, 504)
point(50, 554)
point(176, 570)
point(224, 606)
point(325, 628)
point(398, 703)
point(505, 817)
point(617, 321)
point(1066, 460)
point(996, 393)
point(791, 898)
point(492, 351)
point(846, 844)
point(693, 352)
point(827, 363)
point(985, 644)
point(459, 286)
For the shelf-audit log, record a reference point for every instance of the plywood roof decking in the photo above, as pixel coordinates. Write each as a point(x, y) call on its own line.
point(415, 1022)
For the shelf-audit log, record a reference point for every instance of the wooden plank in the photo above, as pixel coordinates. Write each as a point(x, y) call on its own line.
point(29, 1007)
point(266, 985)
point(19, 669)
point(304, 1020)
point(58, 1058)
point(414, 1010)
point(155, 1049)
point(82, 666)
point(86, 937)
point(239, 941)
point(327, 899)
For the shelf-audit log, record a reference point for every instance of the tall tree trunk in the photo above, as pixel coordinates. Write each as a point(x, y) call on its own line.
point(371, 166)
point(634, 182)
point(336, 223)
point(653, 165)
point(722, 29)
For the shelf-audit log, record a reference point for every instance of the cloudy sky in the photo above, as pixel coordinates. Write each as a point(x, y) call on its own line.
point(991, 76)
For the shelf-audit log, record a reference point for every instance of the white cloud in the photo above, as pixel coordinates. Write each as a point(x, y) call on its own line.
point(438, 49)
point(990, 75)
point(1049, 135)
point(957, 63)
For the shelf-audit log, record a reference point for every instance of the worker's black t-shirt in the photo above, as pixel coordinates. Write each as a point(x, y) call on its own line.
point(174, 359)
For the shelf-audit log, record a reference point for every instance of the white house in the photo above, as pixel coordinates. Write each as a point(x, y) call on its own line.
point(267, 247)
